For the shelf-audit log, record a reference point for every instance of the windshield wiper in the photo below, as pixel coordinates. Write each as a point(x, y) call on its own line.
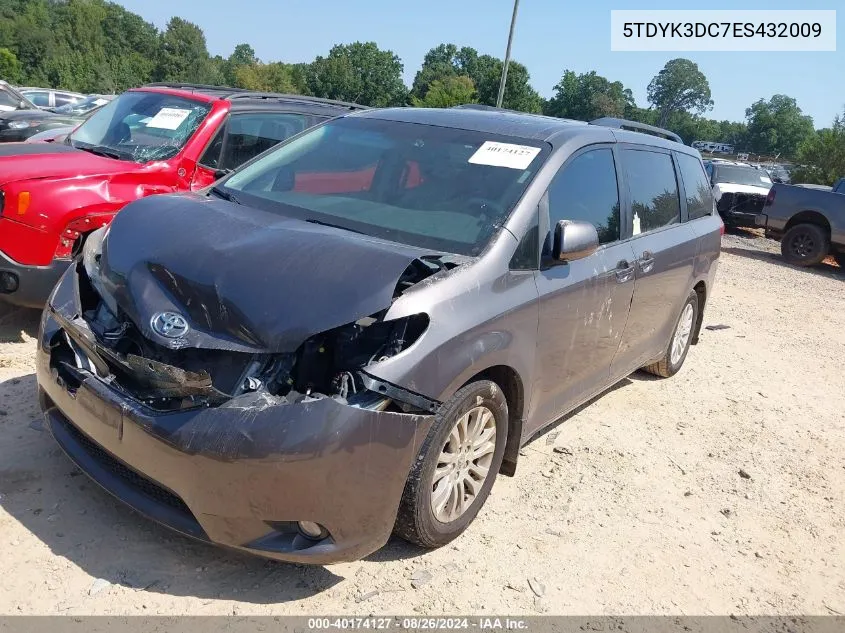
point(220, 193)
point(101, 150)
point(334, 226)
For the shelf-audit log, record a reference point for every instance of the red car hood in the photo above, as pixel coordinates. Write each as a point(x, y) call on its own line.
point(24, 161)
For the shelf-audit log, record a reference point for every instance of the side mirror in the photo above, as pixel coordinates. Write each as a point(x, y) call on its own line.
point(219, 173)
point(574, 240)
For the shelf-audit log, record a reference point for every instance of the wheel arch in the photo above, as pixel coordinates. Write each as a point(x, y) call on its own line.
point(701, 290)
point(510, 382)
point(808, 217)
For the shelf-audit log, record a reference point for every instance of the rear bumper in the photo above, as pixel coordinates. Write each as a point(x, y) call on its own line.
point(240, 475)
point(34, 283)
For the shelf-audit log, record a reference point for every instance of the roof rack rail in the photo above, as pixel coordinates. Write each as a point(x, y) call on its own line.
point(241, 93)
point(278, 95)
point(185, 85)
point(635, 126)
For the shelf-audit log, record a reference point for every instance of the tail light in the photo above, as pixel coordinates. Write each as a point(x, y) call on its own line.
point(770, 197)
point(721, 227)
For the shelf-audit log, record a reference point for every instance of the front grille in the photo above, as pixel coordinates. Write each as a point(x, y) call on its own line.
point(142, 484)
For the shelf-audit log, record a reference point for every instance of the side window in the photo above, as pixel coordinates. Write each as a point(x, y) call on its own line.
point(248, 135)
point(64, 99)
point(586, 189)
point(655, 201)
point(39, 98)
point(8, 100)
point(211, 156)
point(697, 186)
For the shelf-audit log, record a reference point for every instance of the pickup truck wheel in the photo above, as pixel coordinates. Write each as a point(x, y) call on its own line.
point(805, 245)
point(680, 342)
point(456, 466)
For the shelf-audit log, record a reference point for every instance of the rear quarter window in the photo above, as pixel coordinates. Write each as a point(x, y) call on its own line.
point(655, 200)
point(697, 186)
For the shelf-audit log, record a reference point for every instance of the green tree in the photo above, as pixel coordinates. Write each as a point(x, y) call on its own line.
point(10, 67)
point(242, 56)
point(359, 72)
point(447, 92)
point(439, 64)
point(183, 55)
point(777, 126)
point(588, 96)
point(821, 155)
point(680, 85)
point(447, 60)
point(273, 77)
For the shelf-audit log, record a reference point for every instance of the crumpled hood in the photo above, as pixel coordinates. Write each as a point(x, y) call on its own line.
point(24, 161)
point(245, 279)
point(721, 188)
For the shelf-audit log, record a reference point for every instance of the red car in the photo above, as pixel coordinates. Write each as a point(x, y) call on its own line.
point(150, 140)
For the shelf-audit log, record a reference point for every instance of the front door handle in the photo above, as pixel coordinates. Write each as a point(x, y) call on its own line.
point(646, 262)
point(624, 272)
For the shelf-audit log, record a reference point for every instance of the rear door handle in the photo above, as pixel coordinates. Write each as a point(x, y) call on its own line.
point(646, 262)
point(624, 272)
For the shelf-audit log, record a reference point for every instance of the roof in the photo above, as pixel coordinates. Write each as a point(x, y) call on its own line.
point(535, 127)
point(246, 99)
point(491, 121)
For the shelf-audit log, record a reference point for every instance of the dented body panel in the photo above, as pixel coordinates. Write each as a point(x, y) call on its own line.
point(236, 474)
point(261, 283)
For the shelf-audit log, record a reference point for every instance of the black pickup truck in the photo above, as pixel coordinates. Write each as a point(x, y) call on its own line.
point(809, 222)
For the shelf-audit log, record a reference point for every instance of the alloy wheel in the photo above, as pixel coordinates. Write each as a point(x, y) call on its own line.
point(682, 334)
point(463, 464)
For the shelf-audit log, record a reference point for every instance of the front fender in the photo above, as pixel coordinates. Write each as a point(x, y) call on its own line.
point(474, 324)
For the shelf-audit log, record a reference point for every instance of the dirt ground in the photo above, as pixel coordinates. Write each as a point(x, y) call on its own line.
point(721, 490)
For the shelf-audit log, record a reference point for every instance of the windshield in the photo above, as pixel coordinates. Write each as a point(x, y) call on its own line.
point(82, 107)
point(141, 126)
point(432, 187)
point(741, 176)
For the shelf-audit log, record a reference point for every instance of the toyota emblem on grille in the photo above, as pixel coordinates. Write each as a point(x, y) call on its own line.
point(169, 324)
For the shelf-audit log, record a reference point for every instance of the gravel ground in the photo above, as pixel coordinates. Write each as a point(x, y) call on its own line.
point(721, 490)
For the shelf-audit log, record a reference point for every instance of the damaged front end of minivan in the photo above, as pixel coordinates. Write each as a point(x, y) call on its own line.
point(234, 431)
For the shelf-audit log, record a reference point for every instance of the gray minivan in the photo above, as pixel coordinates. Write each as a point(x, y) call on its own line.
point(352, 334)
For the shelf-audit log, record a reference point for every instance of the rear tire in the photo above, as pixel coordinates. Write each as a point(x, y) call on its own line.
point(805, 245)
point(448, 454)
point(679, 344)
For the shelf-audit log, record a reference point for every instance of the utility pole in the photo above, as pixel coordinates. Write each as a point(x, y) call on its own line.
point(507, 57)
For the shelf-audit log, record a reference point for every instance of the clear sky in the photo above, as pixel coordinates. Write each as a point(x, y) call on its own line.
point(551, 36)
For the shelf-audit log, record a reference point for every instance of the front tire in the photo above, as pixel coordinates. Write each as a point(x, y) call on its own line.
point(680, 342)
point(805, 245)
point(456, 466)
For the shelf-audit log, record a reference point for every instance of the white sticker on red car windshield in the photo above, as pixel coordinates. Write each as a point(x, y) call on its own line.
point(504, 155)
point(169, 118)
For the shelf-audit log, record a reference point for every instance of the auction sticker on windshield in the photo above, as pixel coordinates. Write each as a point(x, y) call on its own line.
point(504, 155)
point(169, 118)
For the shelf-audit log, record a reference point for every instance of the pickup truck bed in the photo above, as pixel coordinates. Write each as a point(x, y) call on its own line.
point(809, 223)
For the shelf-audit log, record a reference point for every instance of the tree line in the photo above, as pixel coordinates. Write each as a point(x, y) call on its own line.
point(98, 46)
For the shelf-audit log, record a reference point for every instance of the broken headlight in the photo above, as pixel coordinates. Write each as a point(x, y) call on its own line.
point(329, 362)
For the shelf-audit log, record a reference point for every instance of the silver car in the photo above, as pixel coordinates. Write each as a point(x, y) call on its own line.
point(354, 333)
